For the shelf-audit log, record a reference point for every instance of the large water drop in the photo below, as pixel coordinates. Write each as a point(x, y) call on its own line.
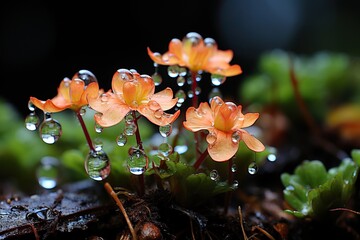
point(97, 165)
point(50, 130)
point(47, 172)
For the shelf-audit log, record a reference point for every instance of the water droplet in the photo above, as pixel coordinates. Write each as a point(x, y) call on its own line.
point(31, 106)
point(129, 117)
point(211, 138)
point(137, 161)
point(236, 137)
point(210, 42)
point(190, 94)
point(97, 165)
point(181, 149)
point(197, 91)
point(85, 75)
point(165, 149)
point(153, 105)
point(272, 154)
point(252, 168)
point(98, 128)
point(214, 92)
point(50, 130)
point(182, 72)
point(98, 144)
point(173, 71)
point(125, 74)
point(180, 81)
point(235, 184)
point(217, 79)
point(121, 140)
point(192, 38)
point(181, 96)
point(130, 129)
point(214, 175)
point(166, 130)
point(47, 172)
point(32, 121)
point(157, 78)
point(198, 77)
point(158, 113)
point(233, 168)
point(82, 111)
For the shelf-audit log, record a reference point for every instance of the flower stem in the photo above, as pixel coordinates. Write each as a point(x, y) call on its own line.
point(200, 160)
point(86, 132)
point(230, 181)
point(139, 143)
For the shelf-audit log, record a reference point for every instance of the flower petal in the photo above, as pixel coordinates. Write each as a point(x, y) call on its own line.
point(112, 111)
point(159, 118)
point(199, 119)
point(252, 142)
point(165, 98)
point(223, 148)
point(48, 105)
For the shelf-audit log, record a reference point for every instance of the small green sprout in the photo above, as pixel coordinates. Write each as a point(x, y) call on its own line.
point(312, 191)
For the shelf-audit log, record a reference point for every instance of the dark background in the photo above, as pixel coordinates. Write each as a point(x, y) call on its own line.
point(41, 43)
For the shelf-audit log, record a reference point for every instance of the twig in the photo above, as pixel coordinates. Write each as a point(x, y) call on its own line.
point(265, 232)
point(345, 209)
point(111, 192)
point(241, 223)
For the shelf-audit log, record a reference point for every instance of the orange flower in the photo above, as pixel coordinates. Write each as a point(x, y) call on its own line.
point(72, 94)
point(134, 92)
point(197, 54)
point(225, 123)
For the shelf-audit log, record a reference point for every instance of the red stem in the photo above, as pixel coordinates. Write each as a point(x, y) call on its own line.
point(83, 127)
point(200, 160)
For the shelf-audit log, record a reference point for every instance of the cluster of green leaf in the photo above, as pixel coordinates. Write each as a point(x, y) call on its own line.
point(312, 191)
point(325, 79)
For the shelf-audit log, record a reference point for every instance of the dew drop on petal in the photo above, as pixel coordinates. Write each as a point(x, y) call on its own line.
point(217, 79)
point(97, 165)
point(125, 74)
point(153, 105)
point(165, 130)
point(85, 75)
point(47, 172)
point(252, 168)
point(121, 140)
point(50, 130)
point(137, 161)
point(214, 175)
point(211, 138)
point(236, 137)
point(158, 113)
point(32, 121)
point(210, 43)
point(192, 38)
point(165, 149)
point(157, 78)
